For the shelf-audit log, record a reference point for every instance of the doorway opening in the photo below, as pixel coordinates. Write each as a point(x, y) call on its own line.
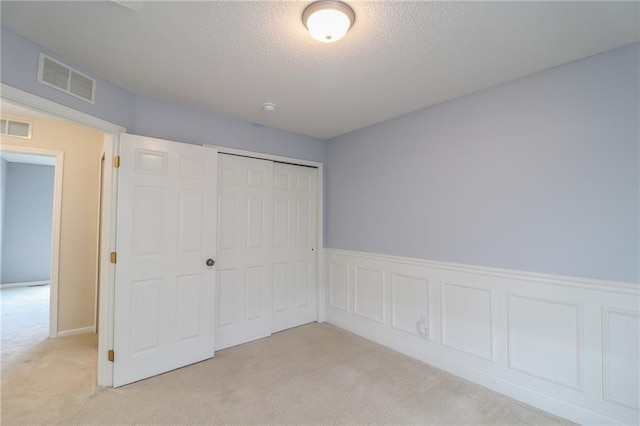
point(26, 234)
point(53, 295)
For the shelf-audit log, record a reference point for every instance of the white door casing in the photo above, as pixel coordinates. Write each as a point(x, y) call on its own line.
point(245, 244)
point(294, 253)
point(164, 291)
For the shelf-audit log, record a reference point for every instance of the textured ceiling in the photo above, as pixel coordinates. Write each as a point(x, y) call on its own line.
point(230, 57)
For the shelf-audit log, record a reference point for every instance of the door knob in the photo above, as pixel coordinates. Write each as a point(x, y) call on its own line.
point(211, 262)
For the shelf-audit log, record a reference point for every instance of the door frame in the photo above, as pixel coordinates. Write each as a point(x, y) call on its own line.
point(107, 277)
point(320, 283)
point(55, 225)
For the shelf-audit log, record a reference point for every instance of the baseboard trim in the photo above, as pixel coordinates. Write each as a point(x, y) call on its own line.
point(75, 331)
point(24, 284)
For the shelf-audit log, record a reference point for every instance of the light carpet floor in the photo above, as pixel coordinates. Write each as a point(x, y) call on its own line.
point(314, 374)
point(25, 320)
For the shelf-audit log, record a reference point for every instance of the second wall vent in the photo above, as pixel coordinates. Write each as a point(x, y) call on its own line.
point(61, 77)
point(18, 129)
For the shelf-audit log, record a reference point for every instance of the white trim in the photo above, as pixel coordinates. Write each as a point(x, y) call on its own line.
point(536, 277)
point(75, 331)
point(101, 165)
point(28, 100)
point(107, 269)
point(321, 290)
point(572, 389)
point(25, 284)
point(55, 230)
point(262, 156)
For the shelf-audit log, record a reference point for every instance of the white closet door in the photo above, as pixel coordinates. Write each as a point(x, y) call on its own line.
point(294, 255)
point(245, 245)
point(164, 291)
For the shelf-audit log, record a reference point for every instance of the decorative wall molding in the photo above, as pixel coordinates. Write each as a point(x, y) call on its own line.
point(533, 277)
point(368, 294)
point(338, 294)
point(546, 330)
point(621, 352)
point(409, 300)
point(562, 344)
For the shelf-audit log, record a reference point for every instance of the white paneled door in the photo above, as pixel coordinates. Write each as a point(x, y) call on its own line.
point(245, 246)
point(294, 246)
point(164, 291)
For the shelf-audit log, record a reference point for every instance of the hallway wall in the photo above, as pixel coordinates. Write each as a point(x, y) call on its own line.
point(26, 237)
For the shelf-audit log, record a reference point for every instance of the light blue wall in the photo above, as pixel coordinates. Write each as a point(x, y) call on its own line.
point(26, 243)
point(539, 174)
point(19, 69)
point(149, 117)
point(174, 122)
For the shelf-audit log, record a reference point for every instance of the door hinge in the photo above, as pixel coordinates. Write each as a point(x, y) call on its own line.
point(116, 161)
point(111, 355)
point(114, 257)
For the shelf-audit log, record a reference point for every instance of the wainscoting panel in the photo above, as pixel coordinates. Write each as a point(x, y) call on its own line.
point(621, 332)
point(466, 319)
point(566, 345)
point(338, 282)
point(409, 300)
point(545, 326)
point(369, 294)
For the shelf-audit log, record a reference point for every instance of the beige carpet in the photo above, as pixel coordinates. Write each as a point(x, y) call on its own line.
point(25, 319)
point(314, 374)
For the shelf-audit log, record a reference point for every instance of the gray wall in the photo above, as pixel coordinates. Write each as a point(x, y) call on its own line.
point(174, 122)
point(19, 69)
point(539, 174)
point(26, 242)
point(150, 117)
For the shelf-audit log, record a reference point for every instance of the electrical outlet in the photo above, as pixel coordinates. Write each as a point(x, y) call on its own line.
point(422, 327)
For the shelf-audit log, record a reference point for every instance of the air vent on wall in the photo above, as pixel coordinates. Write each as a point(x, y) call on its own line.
point(59, 76)
point(19, 129)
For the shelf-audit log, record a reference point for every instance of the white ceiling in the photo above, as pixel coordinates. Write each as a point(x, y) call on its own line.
point(231, 57)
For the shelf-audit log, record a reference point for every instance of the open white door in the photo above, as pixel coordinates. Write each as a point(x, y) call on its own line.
point(164, 290)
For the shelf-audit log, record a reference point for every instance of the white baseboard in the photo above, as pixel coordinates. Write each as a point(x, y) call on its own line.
point(75, 331)
point(25, 284)
point(562, 344)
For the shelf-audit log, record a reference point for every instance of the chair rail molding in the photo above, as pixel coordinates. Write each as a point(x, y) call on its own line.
point(565, 345)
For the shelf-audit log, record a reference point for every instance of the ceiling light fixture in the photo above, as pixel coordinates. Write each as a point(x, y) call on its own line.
point(328, 21)
point(269, 106)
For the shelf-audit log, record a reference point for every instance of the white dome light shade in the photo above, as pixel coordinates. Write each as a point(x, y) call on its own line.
point(328, 21)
